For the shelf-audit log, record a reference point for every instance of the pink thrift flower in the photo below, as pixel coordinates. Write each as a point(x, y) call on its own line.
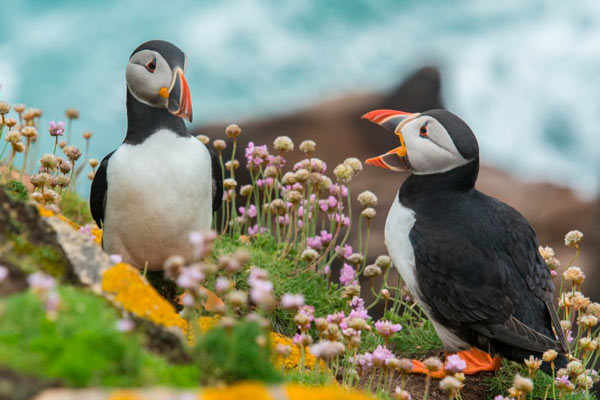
point(3, 272)
point(323, 205)
point(52, 302)
point(347, 274)
point(314, 243)
point(326, 237)
point(359, 313)
point(381, 355)
point(387, 328)
point(187, 300)
point(253, 230)
point(344, 251)
point(289, 300)
point(298, 339)
point(455, 364)
point(222, 284)
point(40, 281)
point(343, 220)
point(190, 277)
point(357, 303)
point(56, 129)
point(125, 325)
point(115, 258)
point(87, 230)
point(308, 310)
point(336, 317)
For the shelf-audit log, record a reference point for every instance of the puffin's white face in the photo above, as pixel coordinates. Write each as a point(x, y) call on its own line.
point(147, 74)
point(426, 145)
point(152, 81)
point(429, 147)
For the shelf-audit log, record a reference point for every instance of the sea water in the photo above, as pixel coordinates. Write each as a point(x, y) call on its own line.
point(524, 74)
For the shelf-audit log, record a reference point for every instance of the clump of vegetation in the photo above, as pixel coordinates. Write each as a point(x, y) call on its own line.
point(71, 335)
point(237, 353)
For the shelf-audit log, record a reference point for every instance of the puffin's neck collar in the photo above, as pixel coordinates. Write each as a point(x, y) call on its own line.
point(461, 179)
point(143, 120)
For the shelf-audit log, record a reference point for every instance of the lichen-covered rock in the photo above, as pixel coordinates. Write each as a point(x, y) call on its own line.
point(86, 257)
point(245, 390)
point(28, 244)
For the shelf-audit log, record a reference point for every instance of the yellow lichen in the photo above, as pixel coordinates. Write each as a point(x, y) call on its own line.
point(243, 390)
point(299, 392)
point(46, 213)
point(137, 296)
point(124, 395)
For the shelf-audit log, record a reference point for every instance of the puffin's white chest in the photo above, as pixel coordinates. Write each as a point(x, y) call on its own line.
point(399, 222)
point(398, 225)
point(158, 191)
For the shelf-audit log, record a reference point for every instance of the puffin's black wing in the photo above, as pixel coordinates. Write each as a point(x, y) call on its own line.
point(480, 272)
point(98, 191)
point(217, 180)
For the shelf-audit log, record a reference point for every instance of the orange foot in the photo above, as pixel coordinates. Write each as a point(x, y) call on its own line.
point(213, 302)
point(476, 360)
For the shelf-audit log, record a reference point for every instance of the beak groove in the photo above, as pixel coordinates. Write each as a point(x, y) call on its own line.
point(180, 100)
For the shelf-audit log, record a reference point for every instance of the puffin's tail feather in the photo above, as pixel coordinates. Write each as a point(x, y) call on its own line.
point(515, 333)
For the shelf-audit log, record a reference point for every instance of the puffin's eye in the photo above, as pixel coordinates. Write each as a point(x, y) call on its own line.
point(423, 131)
point(151, 66)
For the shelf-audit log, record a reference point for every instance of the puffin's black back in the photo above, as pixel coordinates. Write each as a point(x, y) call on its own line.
point(478, 266)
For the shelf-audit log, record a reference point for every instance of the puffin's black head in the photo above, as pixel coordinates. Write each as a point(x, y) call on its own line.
point(431, 142)
point(155, 77)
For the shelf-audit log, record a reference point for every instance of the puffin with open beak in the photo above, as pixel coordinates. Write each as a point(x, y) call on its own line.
point(161, 183)
point(471, 261)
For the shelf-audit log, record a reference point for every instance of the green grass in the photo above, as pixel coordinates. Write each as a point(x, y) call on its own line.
point(310, 378)
point(76, 208)
point(503, 379)
point(417, 337)
point(82, 347)
point(231, 355)
point(286, 277)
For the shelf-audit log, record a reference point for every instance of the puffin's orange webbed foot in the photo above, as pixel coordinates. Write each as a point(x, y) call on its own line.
point(213, 302)
point(476, 360)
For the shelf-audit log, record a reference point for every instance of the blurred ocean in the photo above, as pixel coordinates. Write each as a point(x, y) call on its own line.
point(524, 74)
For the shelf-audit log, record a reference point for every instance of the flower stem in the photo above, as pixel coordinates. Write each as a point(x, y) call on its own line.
point(27, 145)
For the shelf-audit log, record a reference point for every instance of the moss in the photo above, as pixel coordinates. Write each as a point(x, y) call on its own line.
point(30, 258)
point(17, 191)
point(82, 347)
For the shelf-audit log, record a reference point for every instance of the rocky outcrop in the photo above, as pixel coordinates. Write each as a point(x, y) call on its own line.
point(28, 244)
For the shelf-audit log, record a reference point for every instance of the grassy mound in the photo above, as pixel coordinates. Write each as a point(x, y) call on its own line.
point(82, 347)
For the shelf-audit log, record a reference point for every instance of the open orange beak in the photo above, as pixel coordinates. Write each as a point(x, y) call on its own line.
point(395, 159)
point(180, 101)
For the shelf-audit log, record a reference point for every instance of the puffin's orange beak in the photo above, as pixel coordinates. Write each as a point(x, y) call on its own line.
point(395, 159)
point(180, 101)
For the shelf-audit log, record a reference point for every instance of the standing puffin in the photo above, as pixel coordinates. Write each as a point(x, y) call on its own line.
point(471, 261)
point(161, 183)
